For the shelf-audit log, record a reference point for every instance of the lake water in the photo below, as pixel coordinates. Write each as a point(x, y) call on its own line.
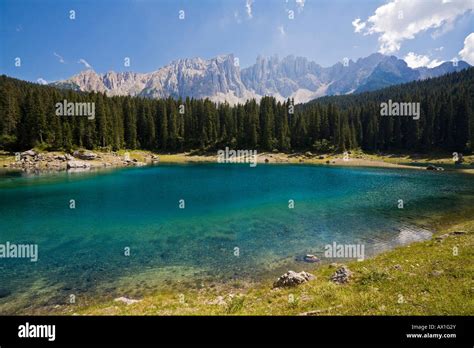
point(236, 224)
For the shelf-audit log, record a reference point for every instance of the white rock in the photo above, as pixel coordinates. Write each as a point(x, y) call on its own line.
point(127, 301)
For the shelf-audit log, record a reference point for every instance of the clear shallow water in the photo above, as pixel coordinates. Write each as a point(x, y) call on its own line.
point(81, 250)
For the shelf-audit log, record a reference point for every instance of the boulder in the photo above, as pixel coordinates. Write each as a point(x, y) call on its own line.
point(77, 164)
point(29, 153)
point(85, 155)
point(342, 275)
point(292, 278)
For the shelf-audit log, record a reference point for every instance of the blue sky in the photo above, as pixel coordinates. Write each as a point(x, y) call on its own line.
point(150, 33)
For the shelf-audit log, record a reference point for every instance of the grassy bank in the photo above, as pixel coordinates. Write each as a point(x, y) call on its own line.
point(355, 159)
point(424, 278)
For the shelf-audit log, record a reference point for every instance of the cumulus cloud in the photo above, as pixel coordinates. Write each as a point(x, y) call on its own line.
point(42, 81)
point(401, 20)
point(248, 8)
point(467, 53)
point(61, 59)
point(414, 60)
point(84, 62)
point(358, 25)
point(300, 5)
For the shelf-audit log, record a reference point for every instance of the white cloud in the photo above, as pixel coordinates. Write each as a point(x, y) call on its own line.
point(237, 17)
point(300, 5)
point(61, 59)
point(42, 81)
point(358, 25)
point(83, 61)
point(467, 53)
point(281, 30)
point(414, 60)
point(248, 7)
point(401, 20)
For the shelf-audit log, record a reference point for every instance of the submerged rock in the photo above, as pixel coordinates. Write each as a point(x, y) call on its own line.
point(292, 278)
point(4, 293)
point(342, 275)
point(311, 258)
point(433, 167)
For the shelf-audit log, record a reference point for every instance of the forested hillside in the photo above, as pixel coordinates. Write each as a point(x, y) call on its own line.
point(28, 119)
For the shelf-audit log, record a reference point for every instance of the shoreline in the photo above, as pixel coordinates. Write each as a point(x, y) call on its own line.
point(32, 161)
point(226, 298)
point(374, 288)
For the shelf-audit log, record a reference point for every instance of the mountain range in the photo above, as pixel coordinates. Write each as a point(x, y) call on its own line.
point(221, 79)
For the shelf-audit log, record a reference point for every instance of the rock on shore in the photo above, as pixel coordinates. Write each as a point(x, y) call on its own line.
point(342, 275)
point(32, 161)
point(292, 278)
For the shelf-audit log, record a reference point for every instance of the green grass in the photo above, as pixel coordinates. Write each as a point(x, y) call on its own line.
point(424, 278)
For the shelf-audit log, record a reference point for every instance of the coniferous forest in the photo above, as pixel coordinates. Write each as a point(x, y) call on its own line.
point(338, 123)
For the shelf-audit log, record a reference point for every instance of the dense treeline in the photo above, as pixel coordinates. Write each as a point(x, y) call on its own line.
point(28, 119)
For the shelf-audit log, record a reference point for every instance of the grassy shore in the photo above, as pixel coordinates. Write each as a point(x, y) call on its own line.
point(433, 277)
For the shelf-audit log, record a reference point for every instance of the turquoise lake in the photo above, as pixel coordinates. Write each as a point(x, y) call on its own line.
point(226, 206)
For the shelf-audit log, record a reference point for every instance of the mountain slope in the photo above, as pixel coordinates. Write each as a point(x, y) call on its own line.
point(220, 79)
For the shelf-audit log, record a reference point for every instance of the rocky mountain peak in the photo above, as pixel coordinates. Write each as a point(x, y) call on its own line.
point(220, 79)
